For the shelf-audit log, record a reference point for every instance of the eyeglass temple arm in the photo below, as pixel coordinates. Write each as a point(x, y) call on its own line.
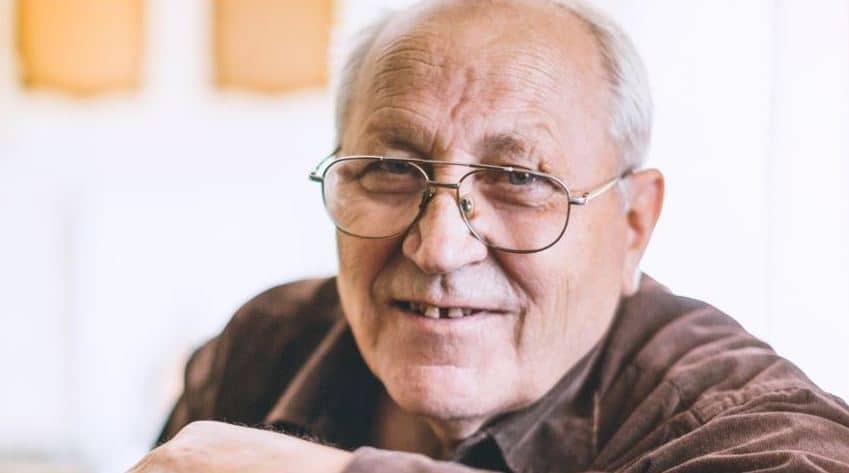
point(315, 175)
point(590, 195)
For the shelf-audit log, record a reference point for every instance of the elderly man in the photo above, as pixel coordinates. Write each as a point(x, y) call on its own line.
point(489, 312)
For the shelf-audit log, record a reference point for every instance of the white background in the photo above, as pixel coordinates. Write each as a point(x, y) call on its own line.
point(132, 226)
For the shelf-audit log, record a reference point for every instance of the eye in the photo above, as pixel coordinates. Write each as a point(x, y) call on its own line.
point(387, 168)
point(514, 188)
point(520, 178)
point(394, 167)
point(388, 176)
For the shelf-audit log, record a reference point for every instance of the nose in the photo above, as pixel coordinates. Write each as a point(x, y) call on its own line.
point(440, 242)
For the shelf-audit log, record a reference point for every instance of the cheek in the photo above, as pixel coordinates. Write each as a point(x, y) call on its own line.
point(546, 282)
point(360, 262)
point(573, 289)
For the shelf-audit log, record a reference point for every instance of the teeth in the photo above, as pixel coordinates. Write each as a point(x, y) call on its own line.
point(435, 312)
point(455, 313)
point(431, 311)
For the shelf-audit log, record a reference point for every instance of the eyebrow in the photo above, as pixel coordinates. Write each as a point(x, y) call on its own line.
point(408, 138)
point(503, 144)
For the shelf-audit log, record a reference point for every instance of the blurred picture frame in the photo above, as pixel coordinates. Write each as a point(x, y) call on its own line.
point(271, 46)
point(80, 47)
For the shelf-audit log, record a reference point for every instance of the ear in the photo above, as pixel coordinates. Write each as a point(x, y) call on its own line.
point(645, 200)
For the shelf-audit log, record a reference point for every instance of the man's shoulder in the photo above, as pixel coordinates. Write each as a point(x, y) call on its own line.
point(694, 347)
point(282, 324)
point(239, 374)
point(268, 340)
point(673, 364)
point(307, 303)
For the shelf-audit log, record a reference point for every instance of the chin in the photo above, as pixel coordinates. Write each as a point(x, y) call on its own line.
point(441, 392)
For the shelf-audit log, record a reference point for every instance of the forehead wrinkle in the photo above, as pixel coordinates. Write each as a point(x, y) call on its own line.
point(531, 68)
point(456, 81)
point(418, 60)
point(403, 63)
point(490, 91)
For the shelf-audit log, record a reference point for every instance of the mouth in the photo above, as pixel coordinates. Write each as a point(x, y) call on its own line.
point(431, 311)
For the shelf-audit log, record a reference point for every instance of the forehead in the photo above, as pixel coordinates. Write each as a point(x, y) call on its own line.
point(512, 75)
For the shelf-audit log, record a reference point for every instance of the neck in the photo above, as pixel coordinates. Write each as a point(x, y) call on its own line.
point(450, 434)
point(397, 429)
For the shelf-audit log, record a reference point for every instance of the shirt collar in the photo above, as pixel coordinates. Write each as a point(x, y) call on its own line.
point(525, 436)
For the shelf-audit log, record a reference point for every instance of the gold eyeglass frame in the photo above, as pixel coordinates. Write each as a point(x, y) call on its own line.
point(320, 170)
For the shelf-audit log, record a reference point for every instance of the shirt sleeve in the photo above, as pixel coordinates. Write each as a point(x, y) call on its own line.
point(371, 460)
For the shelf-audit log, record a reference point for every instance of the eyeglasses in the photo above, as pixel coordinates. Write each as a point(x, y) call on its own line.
point(508, 208)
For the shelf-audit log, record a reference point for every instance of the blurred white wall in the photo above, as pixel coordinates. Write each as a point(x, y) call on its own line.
point(131, 227)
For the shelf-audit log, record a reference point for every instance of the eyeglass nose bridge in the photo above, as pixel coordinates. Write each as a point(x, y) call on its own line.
point(430, 191)
point(444, 185)
point(465, 203)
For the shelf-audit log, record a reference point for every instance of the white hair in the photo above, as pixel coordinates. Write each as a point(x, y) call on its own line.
point(631, 120)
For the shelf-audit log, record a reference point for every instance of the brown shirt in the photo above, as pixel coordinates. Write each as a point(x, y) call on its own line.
point(674, 386)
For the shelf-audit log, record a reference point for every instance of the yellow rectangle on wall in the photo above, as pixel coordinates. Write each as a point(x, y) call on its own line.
point(271, 45)
point(81, 46)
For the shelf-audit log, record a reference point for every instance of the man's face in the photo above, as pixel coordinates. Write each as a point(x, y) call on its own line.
point(497, 84)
